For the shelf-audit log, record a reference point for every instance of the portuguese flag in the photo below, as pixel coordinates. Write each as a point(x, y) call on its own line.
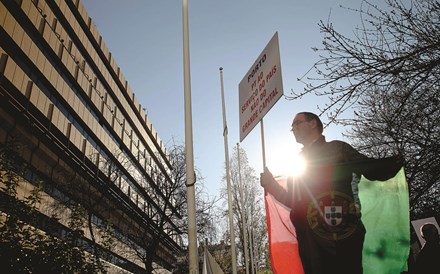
point(385, 214)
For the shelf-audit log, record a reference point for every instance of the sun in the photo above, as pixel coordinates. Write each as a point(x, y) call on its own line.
point(298, 166)
point(285, 161)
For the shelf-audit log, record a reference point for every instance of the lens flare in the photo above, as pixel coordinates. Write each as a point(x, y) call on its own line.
point(287, 165)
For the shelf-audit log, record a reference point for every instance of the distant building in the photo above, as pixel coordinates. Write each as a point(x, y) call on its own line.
point(66, 100)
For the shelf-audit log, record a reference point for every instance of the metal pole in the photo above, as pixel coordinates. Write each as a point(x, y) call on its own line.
point(251, 235)
point(243, 213)
point(263, 149)
point(228, 180)
point(190, 176)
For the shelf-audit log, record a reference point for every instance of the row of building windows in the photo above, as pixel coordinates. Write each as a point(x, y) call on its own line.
point(75, 134)
point(43, 99)
point(88, 75)
point(130, 139)
point(114, 87)
point(44, 160)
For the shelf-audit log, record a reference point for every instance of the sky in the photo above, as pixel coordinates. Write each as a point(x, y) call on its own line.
point(146, 40)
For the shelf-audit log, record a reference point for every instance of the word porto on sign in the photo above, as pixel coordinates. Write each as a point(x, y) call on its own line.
point(260, 88)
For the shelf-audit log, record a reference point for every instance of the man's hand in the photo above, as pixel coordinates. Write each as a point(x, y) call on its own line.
point(266, 178)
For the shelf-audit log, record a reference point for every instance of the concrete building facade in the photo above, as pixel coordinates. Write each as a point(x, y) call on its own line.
point(67, 102)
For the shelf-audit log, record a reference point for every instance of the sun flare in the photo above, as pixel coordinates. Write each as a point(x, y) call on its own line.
point(286, 162)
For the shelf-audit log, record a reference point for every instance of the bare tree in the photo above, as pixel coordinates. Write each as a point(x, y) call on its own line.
point(395, 45)
point(27, 244)
point(248, 210)
point(168, 216)
point(93, 194)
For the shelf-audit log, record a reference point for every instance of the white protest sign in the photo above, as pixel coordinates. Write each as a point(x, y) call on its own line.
point(261, 87)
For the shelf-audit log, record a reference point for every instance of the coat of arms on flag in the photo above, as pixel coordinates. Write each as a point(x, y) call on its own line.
point(333, 215)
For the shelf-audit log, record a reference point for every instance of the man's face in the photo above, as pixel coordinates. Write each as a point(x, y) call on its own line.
point(301, 128)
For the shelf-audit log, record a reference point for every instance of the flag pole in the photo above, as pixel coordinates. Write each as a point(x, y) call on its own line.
point(190, 174)
point(244, 213)
point(228, 179)
point(263, 149)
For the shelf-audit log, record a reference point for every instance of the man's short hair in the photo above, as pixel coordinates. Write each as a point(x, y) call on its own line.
point(312, 116)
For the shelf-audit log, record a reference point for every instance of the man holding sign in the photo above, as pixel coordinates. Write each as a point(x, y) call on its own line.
point(325, 211)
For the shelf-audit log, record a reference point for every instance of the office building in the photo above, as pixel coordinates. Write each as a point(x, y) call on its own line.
point(81, 128)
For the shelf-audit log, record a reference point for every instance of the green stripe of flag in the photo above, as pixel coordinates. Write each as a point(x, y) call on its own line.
point(385, 214)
